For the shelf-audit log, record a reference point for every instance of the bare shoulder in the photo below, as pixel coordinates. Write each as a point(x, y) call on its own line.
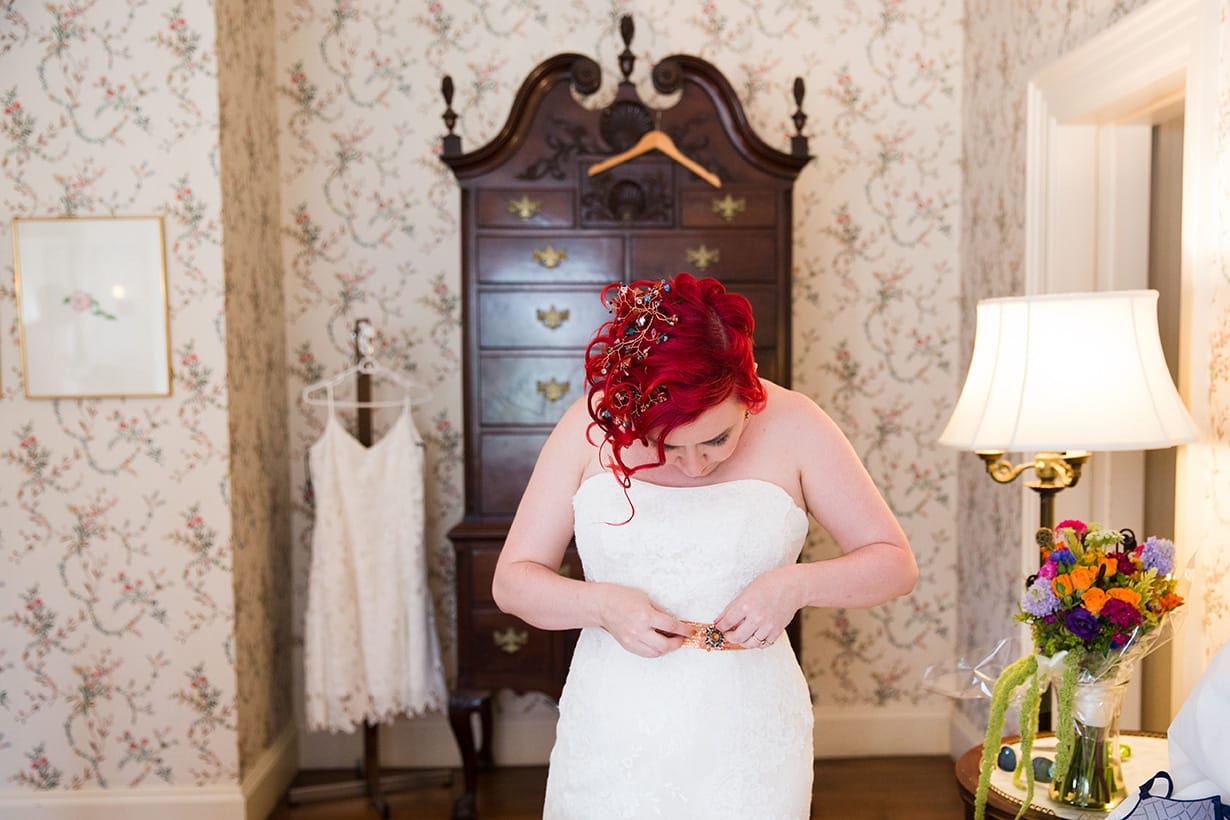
point(568, 449)
point(791, 413)
point(799, 436)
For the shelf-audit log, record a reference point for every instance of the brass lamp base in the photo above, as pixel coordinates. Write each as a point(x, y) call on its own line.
point(1055, 471)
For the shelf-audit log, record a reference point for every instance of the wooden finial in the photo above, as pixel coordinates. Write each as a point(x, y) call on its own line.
point(452, 142)
point(626, 58)
point(798, 143)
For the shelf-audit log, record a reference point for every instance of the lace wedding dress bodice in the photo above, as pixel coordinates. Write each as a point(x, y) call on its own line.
point(723, 735)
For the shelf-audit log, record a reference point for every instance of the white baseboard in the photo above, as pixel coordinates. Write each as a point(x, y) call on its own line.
point(964, 734)
point(270, 775)
point(154, 803)
point(428, 742)
point(526, 740)
point(424, 742)
point(868, 732)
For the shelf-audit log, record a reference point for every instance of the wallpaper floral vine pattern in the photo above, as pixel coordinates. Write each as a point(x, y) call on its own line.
point(117, 666)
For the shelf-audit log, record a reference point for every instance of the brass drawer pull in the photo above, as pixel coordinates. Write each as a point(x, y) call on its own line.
point(553, 391)
point(728, 206)
point(552, 318)
point(511, 640)
point(549, 257)
point(525, 208)
point(703, 256)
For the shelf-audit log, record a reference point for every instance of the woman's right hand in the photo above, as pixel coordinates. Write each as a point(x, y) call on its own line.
point(638, 624)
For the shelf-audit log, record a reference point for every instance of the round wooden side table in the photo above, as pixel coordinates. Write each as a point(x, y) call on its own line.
point(1149, 752)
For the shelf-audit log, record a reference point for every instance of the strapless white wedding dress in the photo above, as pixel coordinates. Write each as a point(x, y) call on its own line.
point(692, 735)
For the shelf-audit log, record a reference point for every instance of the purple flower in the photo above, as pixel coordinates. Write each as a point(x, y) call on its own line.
point(1126, 567)
point(1082, 623)
point(1158, 554)
point(1123, 618)
point(1063, 556)
point(1039, 600)
point(1048, 569)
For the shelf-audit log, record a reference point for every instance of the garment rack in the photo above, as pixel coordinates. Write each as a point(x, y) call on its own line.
point(368, 778)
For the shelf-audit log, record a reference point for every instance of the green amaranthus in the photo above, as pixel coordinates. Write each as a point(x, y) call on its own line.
point(1025, 672)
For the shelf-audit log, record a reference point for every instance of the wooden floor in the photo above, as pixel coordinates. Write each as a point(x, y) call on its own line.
point(920, 788)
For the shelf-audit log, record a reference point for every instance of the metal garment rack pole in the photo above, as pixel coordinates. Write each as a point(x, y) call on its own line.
point(370, 781)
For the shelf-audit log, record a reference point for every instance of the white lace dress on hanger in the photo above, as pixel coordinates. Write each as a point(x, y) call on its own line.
point(692, 735)
point(371, 651)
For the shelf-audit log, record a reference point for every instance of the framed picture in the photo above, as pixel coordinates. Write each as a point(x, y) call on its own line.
point(92, 306)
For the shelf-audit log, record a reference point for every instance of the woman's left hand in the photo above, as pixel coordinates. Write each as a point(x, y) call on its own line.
point(758, 615)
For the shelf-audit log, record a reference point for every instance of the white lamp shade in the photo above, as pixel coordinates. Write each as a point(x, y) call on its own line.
point(1072, 371)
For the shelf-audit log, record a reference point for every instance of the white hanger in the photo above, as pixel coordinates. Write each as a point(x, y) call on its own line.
point(368, 366)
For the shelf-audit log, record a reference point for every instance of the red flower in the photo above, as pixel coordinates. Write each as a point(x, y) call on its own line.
point(1079, 527)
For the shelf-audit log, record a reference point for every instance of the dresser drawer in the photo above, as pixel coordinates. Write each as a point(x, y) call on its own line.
point(764, 308)
point(525, 208)
point(539, 319)
point(730, 209)
point(504, 643)
point(518, 390)
point(550, 259)
point(482, 568)
point(507, 460)
point(749, 256)
point(768, 366)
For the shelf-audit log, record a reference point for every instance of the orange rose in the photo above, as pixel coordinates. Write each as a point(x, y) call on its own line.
point(1083, 577)
point(1093, 600)
point(1128, 596)
point(1062, 585)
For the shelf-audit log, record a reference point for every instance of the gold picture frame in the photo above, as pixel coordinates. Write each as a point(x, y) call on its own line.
point(92, 306)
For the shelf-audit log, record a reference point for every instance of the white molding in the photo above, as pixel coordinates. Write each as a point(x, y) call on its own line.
point(1145, 56)
point(271, 774)
point(410, 743)
point(1142, 57)
point(153, 803)
point(868, 732)
point(963, 734)
point(839, 732)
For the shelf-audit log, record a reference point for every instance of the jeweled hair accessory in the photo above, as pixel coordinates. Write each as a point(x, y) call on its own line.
point(640, 323)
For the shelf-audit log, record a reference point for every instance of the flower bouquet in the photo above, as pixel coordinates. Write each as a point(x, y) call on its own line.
point(1098, 604)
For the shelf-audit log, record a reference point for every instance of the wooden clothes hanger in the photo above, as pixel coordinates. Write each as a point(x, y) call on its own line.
point(657, 140)
point(368, 366)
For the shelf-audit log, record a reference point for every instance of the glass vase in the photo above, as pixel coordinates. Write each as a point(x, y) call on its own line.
point(1094, 779)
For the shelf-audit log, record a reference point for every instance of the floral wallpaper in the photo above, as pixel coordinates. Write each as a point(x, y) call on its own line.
point(371, 230)
point(118, 661)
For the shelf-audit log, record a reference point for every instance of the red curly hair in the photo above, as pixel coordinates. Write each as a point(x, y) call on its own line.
point(671, 350)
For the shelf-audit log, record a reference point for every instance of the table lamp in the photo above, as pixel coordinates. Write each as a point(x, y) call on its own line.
point(1063, 375)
